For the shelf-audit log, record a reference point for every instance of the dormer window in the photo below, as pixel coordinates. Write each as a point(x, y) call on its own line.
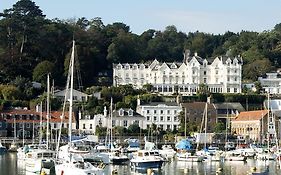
point(121, 112)
point(130, 112)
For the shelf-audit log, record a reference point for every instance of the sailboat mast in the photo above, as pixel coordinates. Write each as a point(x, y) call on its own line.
point(48, 109)
point(40, 134)
point(206, 113)
point(71, 92)
point(111, 104)
point(15, 129)
point(268, 121)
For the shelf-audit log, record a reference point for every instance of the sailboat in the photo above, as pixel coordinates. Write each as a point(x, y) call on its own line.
point(73, 163)
point(109, 154)
point(41, 157)
point(13, 147)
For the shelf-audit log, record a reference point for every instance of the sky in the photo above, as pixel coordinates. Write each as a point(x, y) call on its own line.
point(209, 16)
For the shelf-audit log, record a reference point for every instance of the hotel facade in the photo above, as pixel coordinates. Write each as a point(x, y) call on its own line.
point(221, 75)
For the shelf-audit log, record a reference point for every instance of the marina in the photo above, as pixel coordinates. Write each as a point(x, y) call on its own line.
point(10, 166)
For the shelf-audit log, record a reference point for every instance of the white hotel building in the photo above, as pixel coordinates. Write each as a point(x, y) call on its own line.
point(221, 75)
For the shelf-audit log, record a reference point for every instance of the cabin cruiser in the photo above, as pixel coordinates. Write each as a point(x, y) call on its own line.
point(3, 149)
point(144, 159)
point(167, 152)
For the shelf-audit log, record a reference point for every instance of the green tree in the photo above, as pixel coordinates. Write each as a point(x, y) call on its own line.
point(41, 71)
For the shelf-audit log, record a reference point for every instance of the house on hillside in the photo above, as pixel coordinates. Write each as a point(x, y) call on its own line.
point(221, 74)
point(77, 95)
point(123, 117)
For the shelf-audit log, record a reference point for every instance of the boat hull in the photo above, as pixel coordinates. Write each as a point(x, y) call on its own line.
point(147, 164)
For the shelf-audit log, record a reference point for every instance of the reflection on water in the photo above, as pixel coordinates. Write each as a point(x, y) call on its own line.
point(10, 166)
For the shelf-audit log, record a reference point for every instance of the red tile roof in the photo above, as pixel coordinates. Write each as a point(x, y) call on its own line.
point(55, 115)
point(251, 115)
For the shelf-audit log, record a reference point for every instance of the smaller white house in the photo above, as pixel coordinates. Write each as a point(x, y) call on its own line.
point(89, 123)
point(122, 117)
point(77, 95)
point(271, 83)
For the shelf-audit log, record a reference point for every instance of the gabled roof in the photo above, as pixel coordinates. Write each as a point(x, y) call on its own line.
point(197, 106)
point(230, 106)
point(62, 93)
point(160, 103)
point(115, 113)
point(251, 115)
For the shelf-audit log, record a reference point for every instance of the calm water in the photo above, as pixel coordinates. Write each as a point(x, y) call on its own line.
point(10, 166)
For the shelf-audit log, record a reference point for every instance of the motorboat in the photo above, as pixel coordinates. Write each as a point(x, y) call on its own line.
point(37, 159)
point(144, 159)
point(234, 156)
point(188, 157)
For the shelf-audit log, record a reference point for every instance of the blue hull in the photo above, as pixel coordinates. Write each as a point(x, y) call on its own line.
point(3, 150)
point(146, 165)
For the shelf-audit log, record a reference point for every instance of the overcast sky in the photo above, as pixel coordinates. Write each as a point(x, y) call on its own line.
point(210, 16)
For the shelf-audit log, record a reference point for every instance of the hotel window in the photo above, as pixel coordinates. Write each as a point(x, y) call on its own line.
point(175, 127)
point(217, 72)
point(205, 80)
point(147, 126)
point(175, 118)
point(175, 111)
point(235, 90)
point(161, 126)
point(205, 72)
point(161, 111)
point(91, 126)
point(155, 112)
point(147, 111)
point(84, 126)
point(235, 78)
point(161, 118)
point(228, 89)
point(155, 118)
point(168, 118)
point(168, 111)
point(168, 127)
point(228, 79)
point(147, 118)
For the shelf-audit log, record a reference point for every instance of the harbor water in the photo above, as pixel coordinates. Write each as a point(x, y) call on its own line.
point(10, 166)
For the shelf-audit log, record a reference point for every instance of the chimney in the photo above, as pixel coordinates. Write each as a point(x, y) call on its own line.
point(138, 101)
point(195, 54)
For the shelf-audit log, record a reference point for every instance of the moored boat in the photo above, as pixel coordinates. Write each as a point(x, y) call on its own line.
point(144, 159)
